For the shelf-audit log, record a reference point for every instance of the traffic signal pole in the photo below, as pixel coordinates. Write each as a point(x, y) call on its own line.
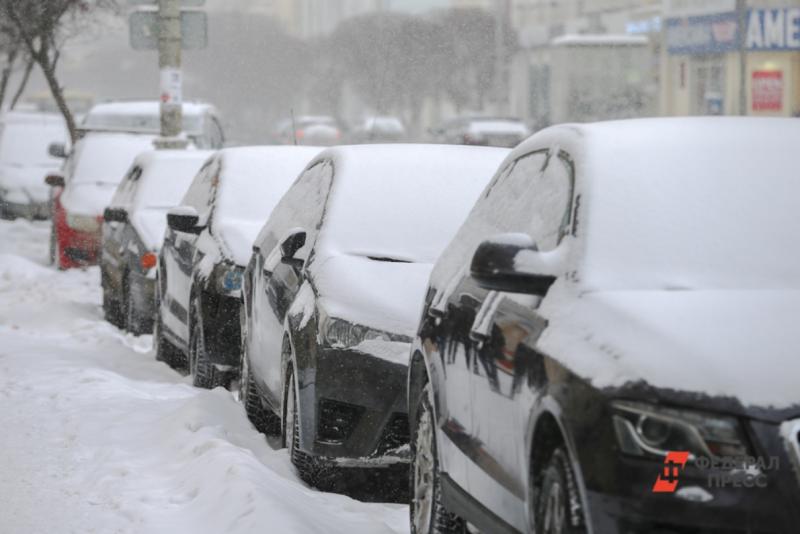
point(169, 62)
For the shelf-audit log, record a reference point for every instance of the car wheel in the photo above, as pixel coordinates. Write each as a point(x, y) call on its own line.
point(428, 513)
point(165, 351)
point(111, 308)
point(262, 418)
point(558, 509)
point(303, 462)
point(205, 374)
point(53, 245)
point(131, 319)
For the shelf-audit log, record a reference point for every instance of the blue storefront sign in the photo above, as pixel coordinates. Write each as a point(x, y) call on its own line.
point(773, 29)
point(703, 34)
point(767, 29)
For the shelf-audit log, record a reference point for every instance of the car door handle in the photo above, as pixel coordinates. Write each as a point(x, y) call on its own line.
point(482, 325)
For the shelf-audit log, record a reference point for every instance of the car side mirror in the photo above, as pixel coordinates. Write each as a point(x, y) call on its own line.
point(118, 215)
point(499, 265)
point(289, 247)
point(54, 180)
point(57, 150)
point(184, 219)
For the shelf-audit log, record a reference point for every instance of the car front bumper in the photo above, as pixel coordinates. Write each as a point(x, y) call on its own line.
point(624, 502)
point(354, 409)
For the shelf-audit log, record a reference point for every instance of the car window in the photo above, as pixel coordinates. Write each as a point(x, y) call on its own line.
point(302, 207)
point(201, 193)
point(126, 191)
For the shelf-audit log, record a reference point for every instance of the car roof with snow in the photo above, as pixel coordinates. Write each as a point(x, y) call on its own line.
point(158, 179)
point(403, 201)
point(689, 211)
point(252, 181)
point(142, 116)
point(31, 117)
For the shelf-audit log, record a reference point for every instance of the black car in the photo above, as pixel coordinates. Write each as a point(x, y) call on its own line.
point(133, 228)
point(208, 243)
point(609, 344)
point(332, 297)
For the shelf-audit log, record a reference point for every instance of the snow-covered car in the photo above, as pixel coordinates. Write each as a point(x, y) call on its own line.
point(482, 131)
point(206, 247)
point(610, 342)
point(25, 162)
point(332, 297)
point(380, 129)
point(92, 173)
point(201, 121)
point(133, 230)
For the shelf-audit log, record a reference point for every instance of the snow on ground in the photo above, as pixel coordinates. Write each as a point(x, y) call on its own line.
point(98, 437)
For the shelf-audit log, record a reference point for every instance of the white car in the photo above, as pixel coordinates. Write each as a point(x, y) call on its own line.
point(25, 161)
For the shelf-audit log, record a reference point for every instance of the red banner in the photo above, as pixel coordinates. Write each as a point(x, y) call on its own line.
point(767, 87)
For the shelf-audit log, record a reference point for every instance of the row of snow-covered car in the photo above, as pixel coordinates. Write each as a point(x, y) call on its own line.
point(527, 335)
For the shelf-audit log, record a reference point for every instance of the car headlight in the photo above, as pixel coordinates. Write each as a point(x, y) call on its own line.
point(648, 430)
point(84, 223)
point(343, 333)
point(228, 279)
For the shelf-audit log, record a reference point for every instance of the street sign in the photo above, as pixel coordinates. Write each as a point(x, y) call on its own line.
point(184, 3)
point(144, 30)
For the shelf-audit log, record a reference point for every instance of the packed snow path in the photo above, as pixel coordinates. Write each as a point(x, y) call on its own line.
point(98, 437)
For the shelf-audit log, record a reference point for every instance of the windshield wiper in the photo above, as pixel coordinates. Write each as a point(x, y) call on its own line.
point(389, 260)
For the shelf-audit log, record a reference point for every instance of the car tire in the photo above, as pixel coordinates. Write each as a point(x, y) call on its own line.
point(111, 308)
point(131, 319)
point(165, 351)
point(307, 467)
point(558, 508)
point(427, 512)
point(262, 418)
point(204, 373)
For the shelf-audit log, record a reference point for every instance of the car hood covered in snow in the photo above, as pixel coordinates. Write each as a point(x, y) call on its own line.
point(27, 181)
point(739, 345)
point(383, 295)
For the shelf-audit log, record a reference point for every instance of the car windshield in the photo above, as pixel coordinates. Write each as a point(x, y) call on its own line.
point(137, 122)
point(105, 158)
point(667, 216)
point(164, 181)
point(28, 143)
point(395, 204)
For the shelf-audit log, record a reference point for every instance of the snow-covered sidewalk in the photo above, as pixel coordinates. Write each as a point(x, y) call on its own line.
point(96, 436)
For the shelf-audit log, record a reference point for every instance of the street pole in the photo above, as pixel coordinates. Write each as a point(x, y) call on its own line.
point(500, 71)
point(741, 11)
point(169, 63)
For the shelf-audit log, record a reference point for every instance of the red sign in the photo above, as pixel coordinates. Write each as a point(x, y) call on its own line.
point(767, 87)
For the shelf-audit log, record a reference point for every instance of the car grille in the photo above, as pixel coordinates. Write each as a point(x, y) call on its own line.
point(395, 434)
point(790, 430)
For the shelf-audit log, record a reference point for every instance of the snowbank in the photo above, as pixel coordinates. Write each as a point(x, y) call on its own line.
point(102, 438)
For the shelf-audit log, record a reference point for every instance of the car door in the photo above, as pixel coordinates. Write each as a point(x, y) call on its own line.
point(275, 283)
point(505, 335)
point(180, 252)
point(116, 234)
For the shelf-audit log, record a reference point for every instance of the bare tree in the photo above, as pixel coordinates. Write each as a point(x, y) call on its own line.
point(43, 26)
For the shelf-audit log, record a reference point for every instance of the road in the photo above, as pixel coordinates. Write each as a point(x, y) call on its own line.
point(98, 437)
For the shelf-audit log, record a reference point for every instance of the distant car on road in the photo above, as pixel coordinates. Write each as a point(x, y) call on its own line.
point(133, 231)
point(623, 296)
point(313, 130)
point(332, 297)
point(25, 162)
point(482, 131)
point(208, 243)
point(380, 129)
point(112, 134)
